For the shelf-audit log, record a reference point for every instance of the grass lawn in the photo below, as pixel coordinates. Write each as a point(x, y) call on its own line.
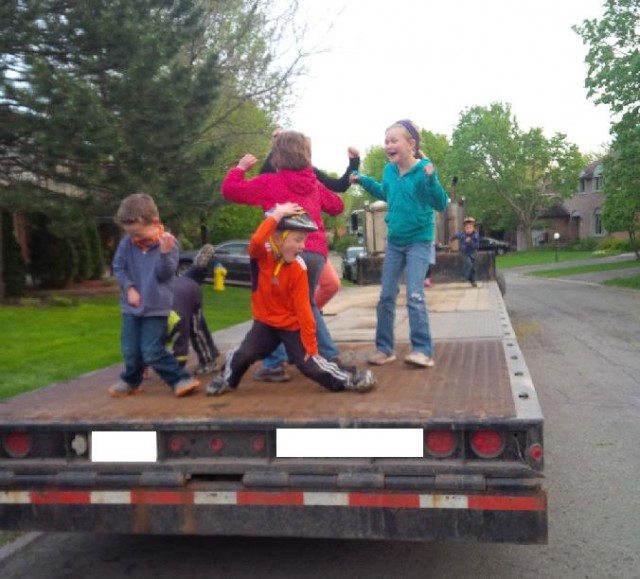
point(522, 258)
point(585, 269)
point(628, 282)
point(47, 344)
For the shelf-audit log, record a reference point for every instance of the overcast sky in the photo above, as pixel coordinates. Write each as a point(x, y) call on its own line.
point(429, 60)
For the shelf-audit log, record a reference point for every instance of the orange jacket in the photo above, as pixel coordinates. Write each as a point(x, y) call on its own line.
point(281, 301)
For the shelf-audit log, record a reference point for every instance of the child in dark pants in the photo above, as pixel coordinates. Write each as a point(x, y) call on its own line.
point(469, 241)
point(281, 308)
point(190, 327)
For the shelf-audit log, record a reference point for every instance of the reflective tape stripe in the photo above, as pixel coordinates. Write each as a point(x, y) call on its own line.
point(286, 498)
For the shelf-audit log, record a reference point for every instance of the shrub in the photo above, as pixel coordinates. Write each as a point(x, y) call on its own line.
point(14, 270)
point(586, 244)
point(614, 244)
point(54, 260)
point(340, 244)
point(81, 245)
point(96, 258)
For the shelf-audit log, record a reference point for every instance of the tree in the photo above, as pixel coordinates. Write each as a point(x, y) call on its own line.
point(510, 170)
point(613, 79)
point(95, 97)
point(621, 210)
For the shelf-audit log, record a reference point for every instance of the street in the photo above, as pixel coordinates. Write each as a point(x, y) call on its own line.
point(582, 345)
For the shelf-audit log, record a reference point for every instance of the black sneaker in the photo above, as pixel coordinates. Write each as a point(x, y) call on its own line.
point(203, 257)
point(218, 386)
point(277, 374)
point(361, 382)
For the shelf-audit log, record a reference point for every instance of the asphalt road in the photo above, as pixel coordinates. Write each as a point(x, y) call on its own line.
point(582, 345)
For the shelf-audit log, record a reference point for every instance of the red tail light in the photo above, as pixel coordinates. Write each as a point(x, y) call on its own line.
point(176, 444)
point(440, 443)
point(487, 443)
point(536, 454)
point(17, 444)
point(217, 444)
point(258, 444)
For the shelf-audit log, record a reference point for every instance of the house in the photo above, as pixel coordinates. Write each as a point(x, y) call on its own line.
point(579, 217)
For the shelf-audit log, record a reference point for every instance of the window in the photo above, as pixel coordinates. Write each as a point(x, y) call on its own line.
point(583, 186)
point(597, 222)
point(597, 184)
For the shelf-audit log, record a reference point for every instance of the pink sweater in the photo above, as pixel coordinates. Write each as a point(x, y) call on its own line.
point(300, 187)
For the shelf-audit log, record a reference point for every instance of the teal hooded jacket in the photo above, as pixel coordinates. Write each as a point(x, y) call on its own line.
point(411, 200)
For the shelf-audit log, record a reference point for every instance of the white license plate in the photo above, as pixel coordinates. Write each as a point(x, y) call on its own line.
point(349, 443)
point(123, 446)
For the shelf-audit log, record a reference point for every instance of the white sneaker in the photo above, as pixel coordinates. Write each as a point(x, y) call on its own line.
point(419, 359)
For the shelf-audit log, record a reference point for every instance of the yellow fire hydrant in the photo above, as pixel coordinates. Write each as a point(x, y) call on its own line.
point(219, 273)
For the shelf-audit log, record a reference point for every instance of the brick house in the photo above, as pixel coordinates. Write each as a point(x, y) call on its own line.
point(579, 217)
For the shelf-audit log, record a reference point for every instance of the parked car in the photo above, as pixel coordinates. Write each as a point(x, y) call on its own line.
point(490, 244)
point(350, 264)
point(232, 255)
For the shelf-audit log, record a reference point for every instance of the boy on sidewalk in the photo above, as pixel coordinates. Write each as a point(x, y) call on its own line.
point(281, 308)
point(144, 264)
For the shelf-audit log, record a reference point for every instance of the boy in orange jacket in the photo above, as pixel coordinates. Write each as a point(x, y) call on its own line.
point(281, 308)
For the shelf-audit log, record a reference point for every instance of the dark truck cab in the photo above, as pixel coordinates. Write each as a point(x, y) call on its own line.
point(216, 470)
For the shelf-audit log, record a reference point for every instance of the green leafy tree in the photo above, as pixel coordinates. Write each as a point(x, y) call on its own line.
point(613, 79)
point(511, 170)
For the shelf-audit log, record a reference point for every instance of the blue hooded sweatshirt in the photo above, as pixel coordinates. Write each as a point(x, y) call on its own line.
point(150, 272)
point(411, 199)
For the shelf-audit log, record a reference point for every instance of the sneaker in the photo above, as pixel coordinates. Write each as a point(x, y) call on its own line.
point(427, 282)
point(361, 382)
point(277, 374)
point(203, 257)
point(122, 390)
point(474, 284)
point(419, 359)
point(185, 386)
point(380, 358)
point(218, 386)
point(206, 368)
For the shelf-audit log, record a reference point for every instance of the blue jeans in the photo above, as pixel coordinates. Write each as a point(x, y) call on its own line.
point(326, 346)
point(469, 267)
point(143, 345)
point(413, 260)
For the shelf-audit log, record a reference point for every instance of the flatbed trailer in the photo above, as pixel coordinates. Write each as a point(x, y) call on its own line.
point(217, 468)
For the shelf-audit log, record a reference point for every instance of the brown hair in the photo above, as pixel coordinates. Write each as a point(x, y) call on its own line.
point(291, 150)
point(138, 207)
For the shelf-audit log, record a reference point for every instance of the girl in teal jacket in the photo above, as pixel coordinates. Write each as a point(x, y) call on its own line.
point(411, 188)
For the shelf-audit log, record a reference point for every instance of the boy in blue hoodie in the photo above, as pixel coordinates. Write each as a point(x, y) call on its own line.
point(144, 264)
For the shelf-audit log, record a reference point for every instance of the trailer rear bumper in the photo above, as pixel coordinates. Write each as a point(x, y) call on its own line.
point(513, 518)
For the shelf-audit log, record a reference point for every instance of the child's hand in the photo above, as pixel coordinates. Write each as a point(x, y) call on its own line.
point(247, 162)
point(429, 169)
point(286, 210)
point(354, 177)
point(353, 153)
point(133, 297)
point(167, 241)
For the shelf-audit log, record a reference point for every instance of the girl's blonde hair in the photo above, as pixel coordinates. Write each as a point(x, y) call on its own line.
point(138, 207)
point(291, 151)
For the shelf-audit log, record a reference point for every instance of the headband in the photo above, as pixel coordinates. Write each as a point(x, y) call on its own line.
point(412, 131)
